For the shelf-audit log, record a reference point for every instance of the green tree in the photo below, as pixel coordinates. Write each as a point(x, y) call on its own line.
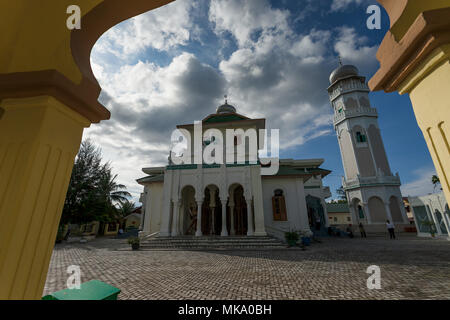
point(126, 208)
point(342, 195)
point(93, 189)
point(435, 180)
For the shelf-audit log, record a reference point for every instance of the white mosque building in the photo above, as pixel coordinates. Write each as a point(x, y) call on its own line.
point(372, 190)
point(226, 200)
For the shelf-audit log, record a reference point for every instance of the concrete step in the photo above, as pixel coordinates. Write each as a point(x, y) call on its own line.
point(211, 242)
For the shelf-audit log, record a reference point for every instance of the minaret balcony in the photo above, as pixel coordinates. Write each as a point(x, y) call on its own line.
point(371, 182)
point(359, 112)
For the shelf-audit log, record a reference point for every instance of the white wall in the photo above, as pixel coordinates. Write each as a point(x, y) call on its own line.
point(297, 216)
point(153, 209)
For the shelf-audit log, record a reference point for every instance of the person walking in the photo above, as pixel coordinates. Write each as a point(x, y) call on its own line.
point(391, 229)
point(362, 231)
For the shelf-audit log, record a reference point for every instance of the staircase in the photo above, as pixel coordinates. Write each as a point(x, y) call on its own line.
point(213, 243)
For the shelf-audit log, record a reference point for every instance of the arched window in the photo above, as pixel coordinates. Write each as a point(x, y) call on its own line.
point(279, 206)
point(360, 212)
point(360, 137)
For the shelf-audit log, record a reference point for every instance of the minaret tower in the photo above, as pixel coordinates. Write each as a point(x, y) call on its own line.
point(372, 190)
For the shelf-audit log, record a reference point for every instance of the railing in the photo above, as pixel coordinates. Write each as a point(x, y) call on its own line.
point(147, 237)
point(347, 86)
point(367, 181)
point(344, 114)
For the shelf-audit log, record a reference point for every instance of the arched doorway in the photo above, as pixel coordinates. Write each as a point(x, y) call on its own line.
point(316, 213)
point(358, 210)
point(211, 211)
point(238, 211)
point(377, 210)
point(396, 213)
point(189, 211)
point(440, 221)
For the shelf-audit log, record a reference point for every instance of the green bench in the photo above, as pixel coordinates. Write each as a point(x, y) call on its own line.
point(91, 290)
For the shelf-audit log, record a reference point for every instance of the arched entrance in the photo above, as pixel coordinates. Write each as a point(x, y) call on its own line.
point(358, 210)
point(238, 211)
point(394, 207)
point(211, 211)
point(188, 212)
point(316, 213)
point(377, 210)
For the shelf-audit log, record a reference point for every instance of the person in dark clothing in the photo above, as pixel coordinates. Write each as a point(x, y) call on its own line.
point(362, 231)
point(391, 228)
point(318, 223)
point(350, 231)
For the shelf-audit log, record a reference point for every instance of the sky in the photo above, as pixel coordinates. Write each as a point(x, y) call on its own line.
point(173, 65)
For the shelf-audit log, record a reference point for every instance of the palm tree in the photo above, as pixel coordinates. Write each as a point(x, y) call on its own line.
point(435, 180)
point(126, 208)
point(110, 189)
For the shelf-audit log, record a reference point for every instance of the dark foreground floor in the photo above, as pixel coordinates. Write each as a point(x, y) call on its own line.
point(411, 268)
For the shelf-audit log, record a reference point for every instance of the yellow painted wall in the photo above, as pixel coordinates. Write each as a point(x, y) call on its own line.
point(110, 233)
point(429, 89)
point(130, 220)
point(341, 218)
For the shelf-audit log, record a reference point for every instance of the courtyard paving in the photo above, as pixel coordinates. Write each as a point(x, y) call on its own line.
point(411, 268)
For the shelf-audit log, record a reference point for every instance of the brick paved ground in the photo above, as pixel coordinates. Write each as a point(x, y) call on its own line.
point(411, 268)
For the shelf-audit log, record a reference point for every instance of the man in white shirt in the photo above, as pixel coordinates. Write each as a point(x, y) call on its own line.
point(391, 228)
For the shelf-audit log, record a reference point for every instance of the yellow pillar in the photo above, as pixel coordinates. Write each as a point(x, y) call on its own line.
point(48, 94)
point(428, 88)
point(415, 59)
point(39, 138)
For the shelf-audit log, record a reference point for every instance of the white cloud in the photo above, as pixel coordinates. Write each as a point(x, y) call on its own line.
point(340, 5)
point(147, 102)
point(243, 18)
point(422, 184)
point(162, 29)
point(353, 49)
point(274, 73)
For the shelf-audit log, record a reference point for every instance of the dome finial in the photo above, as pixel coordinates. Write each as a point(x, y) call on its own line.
point(226, 108)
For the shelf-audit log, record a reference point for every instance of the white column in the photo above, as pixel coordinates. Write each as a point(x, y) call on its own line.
point(212, 229)
point(256, 191)
point(436, 221)
point(366, 211)
point(388, 213)
point(198, 233)
point(249, 218)
point(232, 231)
point(325, 213)
point(176, 211)
point(166, 204)
point(224, 232)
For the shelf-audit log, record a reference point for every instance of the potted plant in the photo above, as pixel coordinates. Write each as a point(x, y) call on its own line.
point(135, 243)
point(291, 238)
point(306, 239)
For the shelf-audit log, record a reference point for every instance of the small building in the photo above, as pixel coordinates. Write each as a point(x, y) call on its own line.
point(408, 210)
point(339, 214)
point(132, 220)
point(431, 209)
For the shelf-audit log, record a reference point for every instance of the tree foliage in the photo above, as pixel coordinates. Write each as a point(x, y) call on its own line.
point(342, 196)
point(435, 181)
point(93, 191)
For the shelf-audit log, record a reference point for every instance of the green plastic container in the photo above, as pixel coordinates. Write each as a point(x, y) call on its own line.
point(91, 290)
